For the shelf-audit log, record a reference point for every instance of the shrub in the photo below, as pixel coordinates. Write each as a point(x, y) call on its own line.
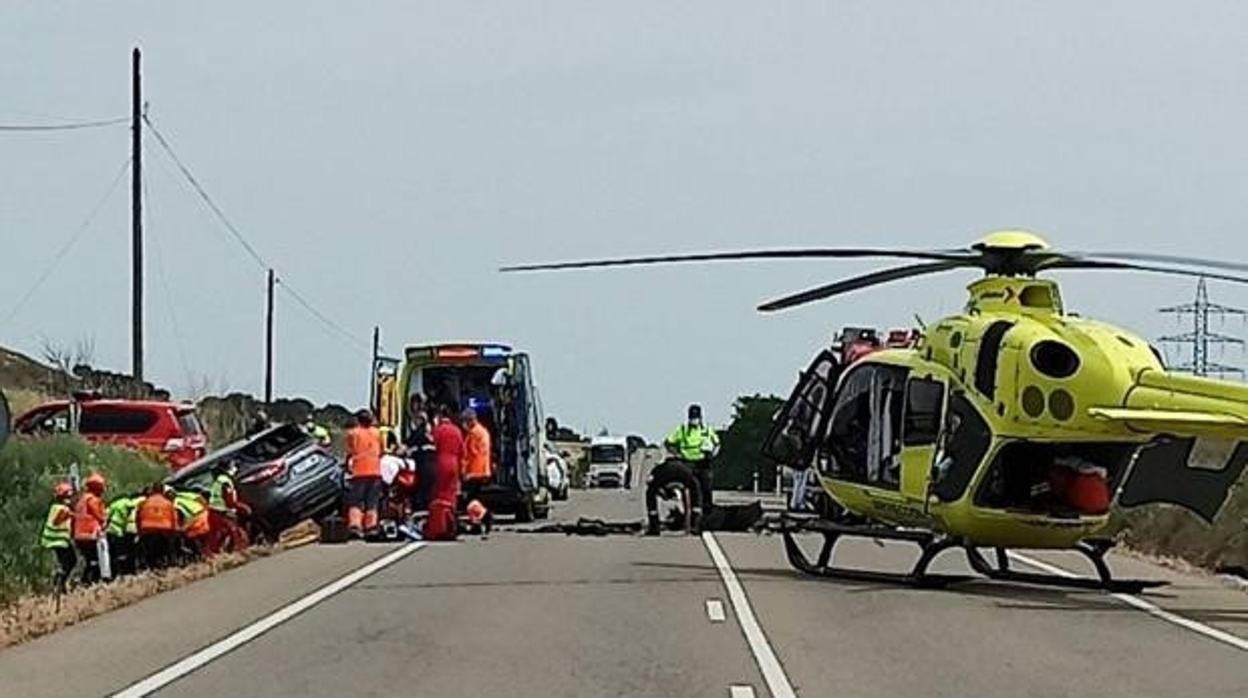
point(28, 470)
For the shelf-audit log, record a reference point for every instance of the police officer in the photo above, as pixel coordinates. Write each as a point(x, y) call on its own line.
point(696, 444)
point(663, 477)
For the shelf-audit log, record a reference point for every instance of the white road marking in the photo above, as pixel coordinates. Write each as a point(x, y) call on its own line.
point(188, 664)
point(715, 611)
point(741, 692)
point(1145, 606)
point(764, 656)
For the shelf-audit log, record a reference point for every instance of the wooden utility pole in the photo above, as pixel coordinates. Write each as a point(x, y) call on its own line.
point(372, 368)
point(136, 223)
point(268, 343)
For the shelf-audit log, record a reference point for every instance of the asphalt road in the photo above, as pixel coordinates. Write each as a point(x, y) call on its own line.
point(548, 615)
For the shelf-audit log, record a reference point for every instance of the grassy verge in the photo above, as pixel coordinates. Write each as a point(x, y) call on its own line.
point(34, 615)
point(28, 470)
point(1173, 532)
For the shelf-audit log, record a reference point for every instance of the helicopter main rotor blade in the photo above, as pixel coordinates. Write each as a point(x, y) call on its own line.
point(800, 253)
point(1163, 259)
point(1073, 263)
point(866, 280)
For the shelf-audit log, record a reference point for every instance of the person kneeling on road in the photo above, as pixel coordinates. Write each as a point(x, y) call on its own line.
point(663, 476)
point(193, 515)
point(364, 489)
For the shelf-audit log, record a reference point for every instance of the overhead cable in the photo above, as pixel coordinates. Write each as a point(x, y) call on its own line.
point(69, 244)
point(67, 126)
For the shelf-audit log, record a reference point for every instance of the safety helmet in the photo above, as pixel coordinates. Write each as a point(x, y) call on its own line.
point(476, 512)
point(95, 483)
point(695, 411)
point(63, 490)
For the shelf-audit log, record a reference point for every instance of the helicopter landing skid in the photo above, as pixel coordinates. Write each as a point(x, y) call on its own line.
point(1094, 550)
point(918, 576)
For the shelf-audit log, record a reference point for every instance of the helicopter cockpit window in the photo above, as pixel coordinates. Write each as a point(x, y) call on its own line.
point(865, 426)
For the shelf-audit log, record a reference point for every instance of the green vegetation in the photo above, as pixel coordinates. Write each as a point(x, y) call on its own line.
point(28, 470)
point(739, 454)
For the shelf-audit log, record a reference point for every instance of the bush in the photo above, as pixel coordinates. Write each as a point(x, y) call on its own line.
point(28, 470)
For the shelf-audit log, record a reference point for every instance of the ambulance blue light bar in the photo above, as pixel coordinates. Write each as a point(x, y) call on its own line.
point(495, 351)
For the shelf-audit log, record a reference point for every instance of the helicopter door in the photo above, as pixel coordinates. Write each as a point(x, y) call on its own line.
point(920, 432)
point(796, 433)
point(385, 402)
point(1194, 473)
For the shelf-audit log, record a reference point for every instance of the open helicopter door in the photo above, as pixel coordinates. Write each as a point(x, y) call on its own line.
point(797, 430)
point(1194, 473)
point(385, 394)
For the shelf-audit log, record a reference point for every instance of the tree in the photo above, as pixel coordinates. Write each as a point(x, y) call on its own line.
point(741, 443)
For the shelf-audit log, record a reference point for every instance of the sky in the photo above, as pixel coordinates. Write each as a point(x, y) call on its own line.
point(387, 157)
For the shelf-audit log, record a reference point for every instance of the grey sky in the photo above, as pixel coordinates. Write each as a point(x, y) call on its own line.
point(389, 155)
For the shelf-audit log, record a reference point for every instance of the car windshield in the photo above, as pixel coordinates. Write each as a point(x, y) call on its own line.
point(190, 424)
point(606, 453)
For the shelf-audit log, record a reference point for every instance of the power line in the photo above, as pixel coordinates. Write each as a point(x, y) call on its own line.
point(346, 334)
point(164, 284)
point(212, 205)
point(251, 251)
point(69, 244)
point(67, 126)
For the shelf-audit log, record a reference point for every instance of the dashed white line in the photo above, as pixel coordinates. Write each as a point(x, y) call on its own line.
point(1145, 606)
point(741, 692)
point(764, 656)
point(175, 671)
point(715, 611)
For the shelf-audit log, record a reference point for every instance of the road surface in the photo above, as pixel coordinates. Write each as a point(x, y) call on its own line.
point(547, 615)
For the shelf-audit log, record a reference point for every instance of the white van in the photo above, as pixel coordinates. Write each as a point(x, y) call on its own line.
point(609, 462)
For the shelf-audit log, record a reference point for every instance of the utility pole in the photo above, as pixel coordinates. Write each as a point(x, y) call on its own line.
point(372, 368)
point(268, 342)
point(1200, 338)
point(136, 222)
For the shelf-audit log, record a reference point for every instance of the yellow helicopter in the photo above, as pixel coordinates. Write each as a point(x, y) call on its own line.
point(1013, 424)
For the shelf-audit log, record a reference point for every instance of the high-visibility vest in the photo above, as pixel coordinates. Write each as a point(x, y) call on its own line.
point(477, 465)
point(693, 443)
point(132, 522)
point(189, 505)
point(216, 495)
point(56, 535)
point(88, 515)
point(364, 452)
point(157, 515)
point(121, 515)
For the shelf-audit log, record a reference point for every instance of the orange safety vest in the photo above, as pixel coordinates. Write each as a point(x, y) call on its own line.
point(198, 526)
point(89, 517)
point(477, 464)
point(364, 452)
point(157, 515)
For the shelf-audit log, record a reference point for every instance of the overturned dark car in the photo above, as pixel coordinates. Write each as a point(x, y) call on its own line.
point(283, 475)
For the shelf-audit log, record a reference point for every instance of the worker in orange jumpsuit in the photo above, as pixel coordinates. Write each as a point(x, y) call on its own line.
point(448, 458)
point(90, 519)
point(478, 462)
point(158, 525)
point(364, 489)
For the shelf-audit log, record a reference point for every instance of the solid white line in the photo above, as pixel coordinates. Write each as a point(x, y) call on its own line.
point(768, 664)
point(175, 671)
point(741, 692)
point(1145, 606)
point(715, 611)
